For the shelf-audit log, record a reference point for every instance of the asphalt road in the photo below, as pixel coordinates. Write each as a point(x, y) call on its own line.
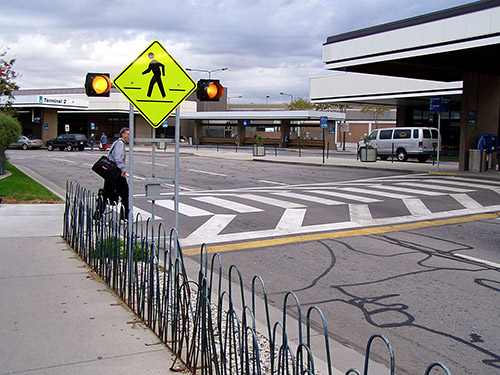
point(432, 290)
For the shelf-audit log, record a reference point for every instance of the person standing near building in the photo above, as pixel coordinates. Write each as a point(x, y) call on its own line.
point(118, 187)
point(104, 142)
point(92, 141)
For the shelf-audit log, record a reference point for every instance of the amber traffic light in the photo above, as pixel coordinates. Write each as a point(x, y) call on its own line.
point(97, 84)
point(209, 90)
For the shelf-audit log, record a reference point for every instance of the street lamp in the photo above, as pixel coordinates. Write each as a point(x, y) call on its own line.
point(206, 71)
point(290, 95)
point(233, 97)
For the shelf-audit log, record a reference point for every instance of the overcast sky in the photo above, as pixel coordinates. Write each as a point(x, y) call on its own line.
point(268, 46)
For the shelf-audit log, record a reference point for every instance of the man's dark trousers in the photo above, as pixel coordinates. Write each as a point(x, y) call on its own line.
point(117, 187)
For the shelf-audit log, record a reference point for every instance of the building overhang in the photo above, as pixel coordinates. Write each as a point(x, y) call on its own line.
point(367, 89)
point(440, 46)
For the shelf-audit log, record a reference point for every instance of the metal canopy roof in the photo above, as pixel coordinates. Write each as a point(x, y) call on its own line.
point(439, 46)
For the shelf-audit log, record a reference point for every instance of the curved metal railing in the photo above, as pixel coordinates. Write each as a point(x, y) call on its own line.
point(208, 325)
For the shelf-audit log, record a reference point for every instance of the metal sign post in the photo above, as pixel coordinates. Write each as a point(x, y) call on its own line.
point(439, 104)
point(176, 167)
point(130, 195)
point(439, 140)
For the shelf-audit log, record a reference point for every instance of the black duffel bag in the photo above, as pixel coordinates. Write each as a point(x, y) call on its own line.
point(106, 168)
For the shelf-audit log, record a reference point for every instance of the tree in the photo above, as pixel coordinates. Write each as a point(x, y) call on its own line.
point(300, 104)
point(331, 107)
point(375, 113)
point(7, 80)
point(10, 130)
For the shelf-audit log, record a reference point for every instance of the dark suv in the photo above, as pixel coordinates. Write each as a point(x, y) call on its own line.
point(67, 142)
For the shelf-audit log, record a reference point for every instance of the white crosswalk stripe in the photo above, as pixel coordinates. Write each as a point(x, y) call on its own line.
point(310, 198)
point(212, 227)
point(456, 178)
point(360, 213)
point(271, 201)
point(465, 184)
point(448, 189)
point(227, 204)
point(409, 190)
point(144, 215)
point(378, 193)
point(466, 201)
point(292, 218)
point(351, 197)
point(416, 207)
point(184, 209)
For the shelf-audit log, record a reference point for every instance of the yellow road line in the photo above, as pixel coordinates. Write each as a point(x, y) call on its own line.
point(340, 234)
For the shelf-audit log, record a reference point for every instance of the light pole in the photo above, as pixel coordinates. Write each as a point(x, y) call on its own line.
point(233, 97)
point(206, 70)
point(290, 95)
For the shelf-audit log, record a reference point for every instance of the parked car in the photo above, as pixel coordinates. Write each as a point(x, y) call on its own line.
point(26, 143)
point(68, 142)
point(404, 143)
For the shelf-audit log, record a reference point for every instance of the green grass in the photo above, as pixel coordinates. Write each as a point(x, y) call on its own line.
point(19, 188)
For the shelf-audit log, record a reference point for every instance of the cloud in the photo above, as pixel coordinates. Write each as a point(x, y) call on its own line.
point(269, 46)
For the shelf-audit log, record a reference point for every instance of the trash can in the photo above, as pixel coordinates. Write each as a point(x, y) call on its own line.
point(477, 160)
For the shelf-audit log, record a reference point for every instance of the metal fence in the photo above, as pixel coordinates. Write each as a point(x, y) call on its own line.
point(207, 322)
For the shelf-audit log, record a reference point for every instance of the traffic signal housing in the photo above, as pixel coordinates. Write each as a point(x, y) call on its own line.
point(97, 84)
point(209, 90)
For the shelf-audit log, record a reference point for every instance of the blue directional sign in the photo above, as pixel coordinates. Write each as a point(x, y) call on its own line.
point(324, 122)
point(439, 104)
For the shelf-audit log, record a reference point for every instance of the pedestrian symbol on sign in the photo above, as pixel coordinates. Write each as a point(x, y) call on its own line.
point(158, 70)
point(155, 84)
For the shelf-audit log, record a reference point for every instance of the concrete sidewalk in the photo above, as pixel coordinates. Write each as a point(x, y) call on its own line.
point(56, 317)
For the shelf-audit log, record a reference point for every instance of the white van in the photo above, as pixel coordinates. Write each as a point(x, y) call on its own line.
point(404, 143)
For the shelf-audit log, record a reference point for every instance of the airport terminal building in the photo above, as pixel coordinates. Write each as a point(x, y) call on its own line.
point(46, 113)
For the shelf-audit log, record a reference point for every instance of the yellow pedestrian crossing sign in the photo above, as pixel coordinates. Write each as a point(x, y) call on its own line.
point(155, 84)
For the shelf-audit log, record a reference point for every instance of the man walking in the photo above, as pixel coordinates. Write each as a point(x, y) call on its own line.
point(118, 187)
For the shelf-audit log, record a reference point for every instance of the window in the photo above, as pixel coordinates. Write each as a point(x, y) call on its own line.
point(415, 133)
point(435, 133)
point(398, 134)
point(385, 134)
point(373, 134)
point(427, 133)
